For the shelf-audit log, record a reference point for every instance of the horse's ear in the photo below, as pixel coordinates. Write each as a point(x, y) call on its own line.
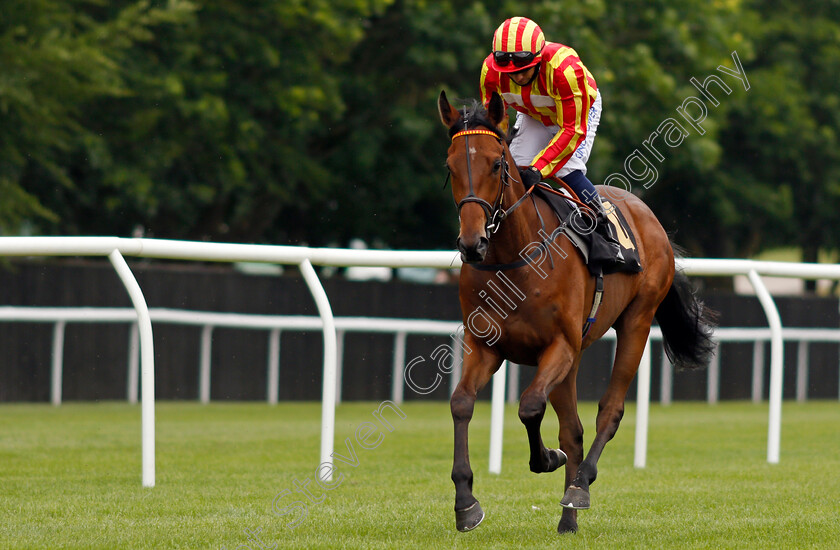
point(448, 114)
point(496, 109)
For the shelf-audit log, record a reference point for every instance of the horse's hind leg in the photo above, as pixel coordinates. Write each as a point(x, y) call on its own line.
point(632, 334)
point(478, 368)
point(553, 368)
point(564, 400)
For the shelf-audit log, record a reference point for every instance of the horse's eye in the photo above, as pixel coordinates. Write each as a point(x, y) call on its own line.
point(497, 165)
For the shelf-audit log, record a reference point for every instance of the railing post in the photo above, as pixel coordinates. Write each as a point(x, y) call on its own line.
point(339, 364)
point(273, 366)
point(513, 382)
point(330, 362)
point(204, 364)
point(57, 362)
point(758, 371)
point(147, 364)
point(457, 362)
point(497, 419)
point(802, 372)
point(713, 377)
point(666, 391)
point(774, 424)
point(133, 363)
point(642, 408)
point(397, 380)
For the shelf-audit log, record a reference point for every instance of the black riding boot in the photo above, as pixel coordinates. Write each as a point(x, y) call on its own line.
point(605, 229)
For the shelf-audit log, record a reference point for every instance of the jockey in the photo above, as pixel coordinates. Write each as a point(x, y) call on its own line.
point(558, 108)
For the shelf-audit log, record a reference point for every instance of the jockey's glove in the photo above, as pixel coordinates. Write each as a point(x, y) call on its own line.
point(530, 176)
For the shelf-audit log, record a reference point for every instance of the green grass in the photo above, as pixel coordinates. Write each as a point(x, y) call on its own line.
point(70, 478)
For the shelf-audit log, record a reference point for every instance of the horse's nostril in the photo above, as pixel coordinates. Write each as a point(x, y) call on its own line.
point(472, 253)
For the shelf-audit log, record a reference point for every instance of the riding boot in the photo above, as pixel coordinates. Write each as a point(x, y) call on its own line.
point(602, 222)
point(605, 229)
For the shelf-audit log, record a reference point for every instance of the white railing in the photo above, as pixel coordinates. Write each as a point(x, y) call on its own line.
point(304, 257)
point(209, 321)
point(59, 317)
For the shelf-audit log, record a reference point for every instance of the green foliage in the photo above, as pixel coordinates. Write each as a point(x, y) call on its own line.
point(785, 131)
point(62, 58)
point(315, 122)
point(50, 66)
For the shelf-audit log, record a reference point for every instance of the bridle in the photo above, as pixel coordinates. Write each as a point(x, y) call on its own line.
point(494, 213)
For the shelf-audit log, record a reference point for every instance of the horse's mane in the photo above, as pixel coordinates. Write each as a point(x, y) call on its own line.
point(475, 116)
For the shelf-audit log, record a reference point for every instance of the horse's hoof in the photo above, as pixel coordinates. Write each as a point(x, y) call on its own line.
point(470, 518)
point(575, 498)
point(567, 526)
point(556, 458)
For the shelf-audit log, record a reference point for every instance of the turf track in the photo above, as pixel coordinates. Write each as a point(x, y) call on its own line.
point(70, 478)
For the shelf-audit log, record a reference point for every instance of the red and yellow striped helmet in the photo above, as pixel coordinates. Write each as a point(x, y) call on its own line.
point(514, 40)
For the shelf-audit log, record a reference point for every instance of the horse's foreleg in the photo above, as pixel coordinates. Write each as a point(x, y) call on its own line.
point(478, 368)
point(564, 400)
point(553, 367)
point(631, 344)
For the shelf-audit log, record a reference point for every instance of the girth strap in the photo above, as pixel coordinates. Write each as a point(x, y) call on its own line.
point(596, 303)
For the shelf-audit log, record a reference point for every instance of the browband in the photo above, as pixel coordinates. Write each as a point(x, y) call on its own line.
point(476, 132)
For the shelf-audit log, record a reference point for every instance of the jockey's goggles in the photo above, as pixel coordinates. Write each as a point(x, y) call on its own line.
point(519, 59)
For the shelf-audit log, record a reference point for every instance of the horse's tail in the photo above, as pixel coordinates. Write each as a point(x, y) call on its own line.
point(687, 325)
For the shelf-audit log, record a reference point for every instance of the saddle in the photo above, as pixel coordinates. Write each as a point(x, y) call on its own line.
point(600, 255)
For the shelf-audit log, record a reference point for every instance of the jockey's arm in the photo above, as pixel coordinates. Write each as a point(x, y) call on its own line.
point(572, 112)
point(567, 84)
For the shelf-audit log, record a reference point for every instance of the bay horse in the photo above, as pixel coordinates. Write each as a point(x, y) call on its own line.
point(544, 312)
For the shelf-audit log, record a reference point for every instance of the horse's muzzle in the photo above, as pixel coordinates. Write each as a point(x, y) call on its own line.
point(474, 252)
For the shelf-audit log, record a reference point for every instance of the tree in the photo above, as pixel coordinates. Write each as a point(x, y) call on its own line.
point(315, 122)
point(390, 147)
point(784, 137)
point(61, 57)
point(642, 58)
point(208, 135)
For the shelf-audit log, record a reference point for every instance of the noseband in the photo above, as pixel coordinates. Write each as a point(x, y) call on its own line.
point(494, 213)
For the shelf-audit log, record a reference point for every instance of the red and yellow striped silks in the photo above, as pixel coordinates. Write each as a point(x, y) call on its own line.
point(560, 95)
point(518, 34)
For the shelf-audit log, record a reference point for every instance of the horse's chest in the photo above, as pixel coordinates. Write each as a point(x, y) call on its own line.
point(531, 325)
point(520, 329)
